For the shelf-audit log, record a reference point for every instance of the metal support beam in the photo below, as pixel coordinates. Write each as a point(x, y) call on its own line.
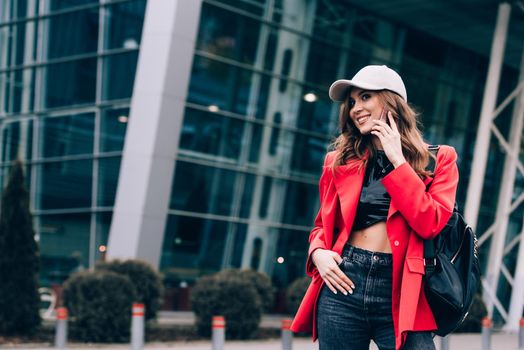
point(478, 168)
point(517, 293)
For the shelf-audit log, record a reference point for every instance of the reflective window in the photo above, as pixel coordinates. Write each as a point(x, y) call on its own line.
point(202, 189)
point(69, 135)
point(226, 34)
point(124, 24)
point(108, 169)
point(119, 75)
point(103, 225)
point(72, 33)
point(64, 246)
point(300, 203)
point(17, 140)
point(65, 184)
point(291, 248)
point(70, 83)
point(211, 133)
point(17, 90)
point(113, 129)
point(66, 4)
point(193, 245)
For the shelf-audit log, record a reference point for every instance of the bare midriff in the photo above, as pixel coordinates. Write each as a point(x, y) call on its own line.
point(373, 238)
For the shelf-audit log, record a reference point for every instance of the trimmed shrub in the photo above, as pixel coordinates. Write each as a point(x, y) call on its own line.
point(295, 292)
point(259, 280)
point(145, 279)
point(230, 296)
point(99, 304)
point(19, 298)
point(473, 322)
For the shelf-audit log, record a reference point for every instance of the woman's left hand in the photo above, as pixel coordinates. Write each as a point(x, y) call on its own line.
point(390, 139)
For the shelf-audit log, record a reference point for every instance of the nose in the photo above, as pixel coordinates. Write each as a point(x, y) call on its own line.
point(357, 107)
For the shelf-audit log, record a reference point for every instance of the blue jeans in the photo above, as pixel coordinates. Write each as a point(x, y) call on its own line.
point(352, 321)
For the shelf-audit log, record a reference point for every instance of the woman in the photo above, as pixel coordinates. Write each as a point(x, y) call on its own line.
point(366, 249)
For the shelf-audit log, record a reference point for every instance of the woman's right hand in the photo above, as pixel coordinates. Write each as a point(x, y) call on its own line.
point(327, 262)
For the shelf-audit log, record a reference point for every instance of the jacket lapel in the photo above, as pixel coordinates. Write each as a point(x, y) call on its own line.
point(348, 182)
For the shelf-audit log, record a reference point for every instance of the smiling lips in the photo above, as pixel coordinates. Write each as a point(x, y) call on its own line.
point(362, 120)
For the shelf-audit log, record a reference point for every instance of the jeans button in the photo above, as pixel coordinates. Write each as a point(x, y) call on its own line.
point(375, 257)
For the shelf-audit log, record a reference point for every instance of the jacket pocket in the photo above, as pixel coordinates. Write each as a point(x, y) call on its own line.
point(415, 265)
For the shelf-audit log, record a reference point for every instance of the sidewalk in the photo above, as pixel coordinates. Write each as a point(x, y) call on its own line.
point(457, 342)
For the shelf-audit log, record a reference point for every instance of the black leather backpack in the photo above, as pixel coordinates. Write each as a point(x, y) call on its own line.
point(452, 271)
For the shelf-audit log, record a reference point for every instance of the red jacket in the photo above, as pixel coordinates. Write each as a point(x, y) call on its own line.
point(414, 215)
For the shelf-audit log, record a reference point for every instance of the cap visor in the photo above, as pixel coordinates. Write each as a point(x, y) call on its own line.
point(339, 89)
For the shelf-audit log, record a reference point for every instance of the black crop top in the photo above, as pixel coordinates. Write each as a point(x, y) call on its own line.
point(374, 200)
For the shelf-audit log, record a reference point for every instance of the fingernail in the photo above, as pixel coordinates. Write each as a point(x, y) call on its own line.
point(335, 292)
point(351, 291)
point(345, 293)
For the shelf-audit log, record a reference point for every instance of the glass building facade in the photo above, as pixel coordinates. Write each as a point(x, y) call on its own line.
point(256, 125)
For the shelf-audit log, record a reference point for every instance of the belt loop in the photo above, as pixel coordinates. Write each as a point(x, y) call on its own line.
point(350, 251)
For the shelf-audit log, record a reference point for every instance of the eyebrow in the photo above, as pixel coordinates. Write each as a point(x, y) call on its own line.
point(360, 93)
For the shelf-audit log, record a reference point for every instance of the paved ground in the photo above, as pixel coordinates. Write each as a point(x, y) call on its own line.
point(505, 341)
point(457, 342)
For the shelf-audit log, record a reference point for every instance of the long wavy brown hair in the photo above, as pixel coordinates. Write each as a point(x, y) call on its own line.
point(352, 145)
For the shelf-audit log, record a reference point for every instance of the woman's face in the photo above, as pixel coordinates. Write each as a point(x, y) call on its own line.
point(364, 106)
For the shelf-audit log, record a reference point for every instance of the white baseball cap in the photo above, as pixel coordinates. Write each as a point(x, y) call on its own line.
point(369, 78)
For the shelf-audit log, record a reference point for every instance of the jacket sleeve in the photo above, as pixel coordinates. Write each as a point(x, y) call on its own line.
point(426, 212)
point(316, 236)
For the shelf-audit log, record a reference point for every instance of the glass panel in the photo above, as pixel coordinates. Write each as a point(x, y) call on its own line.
point(124, 24)
point(202, 189)
point(300, 203)
point(103, 224)
point(17, 140)
point(17, 91)
point(227, 34)
point(255, 7)
point(292, 246)
point(247, 196)
point(119, 75)
point(69, 135)
point(219, 85)
point(64, 246)
point(109, 169)
point(308, 152)
point(70, 83)
point(113, 129)
point(211, 133)
point(193, 246)
point(73, 33)
point(65, 4)
point(65, 184)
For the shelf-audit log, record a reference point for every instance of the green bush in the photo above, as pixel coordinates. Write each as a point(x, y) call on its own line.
point(259, 280)
point(230, 296)
point(295, 292)
point(19, 261)
point(99, 305)
point(146, 281)
point(473, 322)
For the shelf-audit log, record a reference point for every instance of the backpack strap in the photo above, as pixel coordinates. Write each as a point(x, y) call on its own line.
point(430, 260)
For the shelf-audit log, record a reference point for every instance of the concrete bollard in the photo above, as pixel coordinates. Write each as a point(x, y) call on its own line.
point(61, 328)
point(486, 333)
point(287, 335)
point(218, 329)
point(444, 343)
point(137, 326)
point(521, 334)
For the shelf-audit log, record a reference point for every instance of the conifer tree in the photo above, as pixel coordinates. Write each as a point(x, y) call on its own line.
point(19, 262)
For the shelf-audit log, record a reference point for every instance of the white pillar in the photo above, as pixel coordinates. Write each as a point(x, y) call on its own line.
point(153, 131)
point(478, 167)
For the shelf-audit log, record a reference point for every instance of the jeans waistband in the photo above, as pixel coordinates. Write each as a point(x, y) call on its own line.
point(366, 256)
